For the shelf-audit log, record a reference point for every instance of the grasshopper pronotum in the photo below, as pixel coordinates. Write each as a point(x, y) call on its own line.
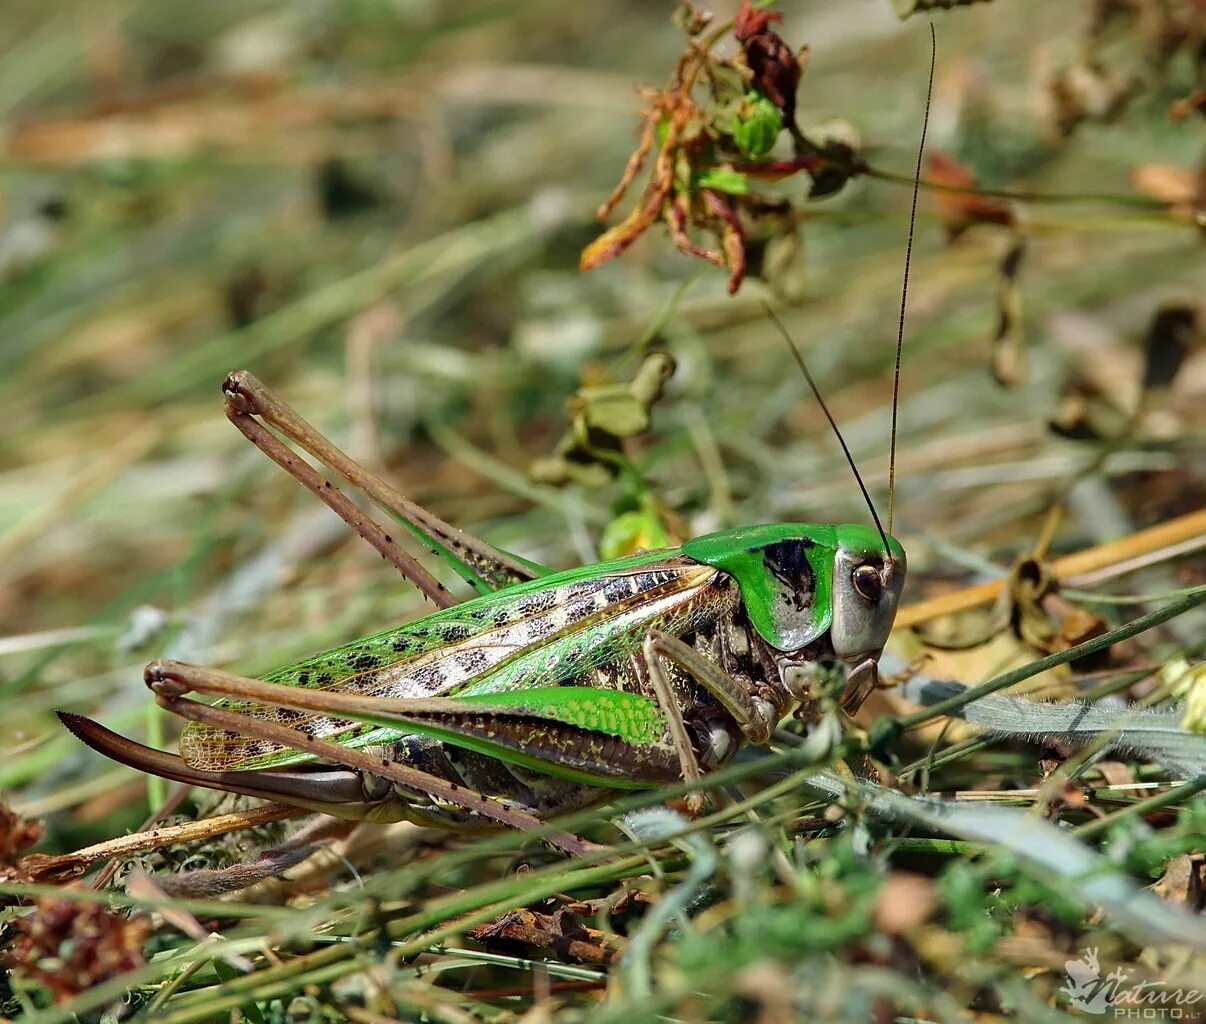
point(547, 689)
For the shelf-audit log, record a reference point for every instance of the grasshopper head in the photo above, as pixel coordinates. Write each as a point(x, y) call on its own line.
point(867, 581)
point(801, 580)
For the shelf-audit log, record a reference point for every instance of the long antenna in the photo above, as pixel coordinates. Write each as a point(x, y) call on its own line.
point(904, 288)
point(816, 392)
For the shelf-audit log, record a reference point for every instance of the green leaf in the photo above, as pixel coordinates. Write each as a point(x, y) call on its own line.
point(723, 179)
point(250, 1009)
point(637, 529)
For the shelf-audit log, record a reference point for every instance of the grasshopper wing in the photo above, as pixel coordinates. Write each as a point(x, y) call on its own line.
point(543, 633)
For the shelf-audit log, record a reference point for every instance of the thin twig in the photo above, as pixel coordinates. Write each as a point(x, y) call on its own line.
point(1173, 534)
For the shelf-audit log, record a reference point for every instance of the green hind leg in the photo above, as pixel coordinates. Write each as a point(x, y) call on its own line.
point(335, 794)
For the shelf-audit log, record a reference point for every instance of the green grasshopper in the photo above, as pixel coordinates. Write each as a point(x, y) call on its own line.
point(547, 691)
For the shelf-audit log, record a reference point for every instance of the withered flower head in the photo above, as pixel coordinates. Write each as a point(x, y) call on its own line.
point(775, 68)
point(71, 946)
point(712, 130)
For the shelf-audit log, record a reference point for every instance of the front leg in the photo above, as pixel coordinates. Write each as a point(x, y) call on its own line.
point(754, 717)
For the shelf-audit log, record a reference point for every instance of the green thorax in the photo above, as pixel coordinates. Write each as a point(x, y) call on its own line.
point(785, 572)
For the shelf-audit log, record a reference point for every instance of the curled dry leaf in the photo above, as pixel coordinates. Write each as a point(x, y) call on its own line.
point(1010, 365)
point(773, 64)
point(1184, 882)
point(1187, 106)
point(560, 932)
point(1184, 190)
point(1173, 333)
point(959, 210)
point(1086, 412)
point(1127, 51)
point(1089, 91)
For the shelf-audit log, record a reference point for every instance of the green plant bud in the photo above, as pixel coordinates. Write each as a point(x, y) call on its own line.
point(756, 126)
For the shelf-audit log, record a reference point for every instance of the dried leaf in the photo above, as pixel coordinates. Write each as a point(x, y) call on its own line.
point(1086, 413)
point(1194, 103)
point(904, 902)
point(1171, 336)
point(775, 67)
point(710, 157)
point(960, 210)
point(1184, 882)
point(560, 932)
point(1184, 190)
point(617, 239)
point(1089, 92)
point(1009, 359)
point(17, 834)
point(732, 237)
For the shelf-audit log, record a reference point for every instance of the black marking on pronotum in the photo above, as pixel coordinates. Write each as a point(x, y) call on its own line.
point(788, 563)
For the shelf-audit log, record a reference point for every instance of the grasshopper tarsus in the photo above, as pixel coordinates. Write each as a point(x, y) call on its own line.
point(163, 680)
point(238, 389)
point(246, 392)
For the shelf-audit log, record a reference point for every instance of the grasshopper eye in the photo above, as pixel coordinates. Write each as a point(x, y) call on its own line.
point(867, 582)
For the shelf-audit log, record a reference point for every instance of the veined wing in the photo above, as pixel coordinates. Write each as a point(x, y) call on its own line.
point(533, 634)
